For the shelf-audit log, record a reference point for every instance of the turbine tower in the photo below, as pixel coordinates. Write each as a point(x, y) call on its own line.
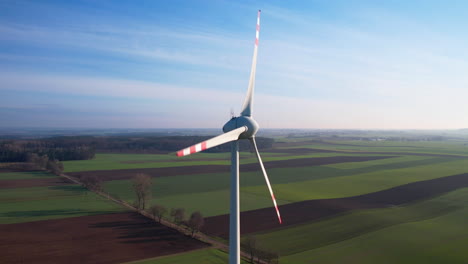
point(241, 127)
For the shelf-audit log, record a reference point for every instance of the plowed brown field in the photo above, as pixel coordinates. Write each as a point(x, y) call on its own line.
point(109, 238)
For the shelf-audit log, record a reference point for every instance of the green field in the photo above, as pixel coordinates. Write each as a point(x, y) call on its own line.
point(350, 225)
point(140, 161)
point(362, 183)
point(42, 203)
point(25, 175)
point(209, 193)
point(428, 231)
point(443, 148)
point(432, 231)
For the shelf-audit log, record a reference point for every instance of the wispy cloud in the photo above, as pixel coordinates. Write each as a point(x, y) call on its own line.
point(349, 67)
point(212, 107)
point(175, 46)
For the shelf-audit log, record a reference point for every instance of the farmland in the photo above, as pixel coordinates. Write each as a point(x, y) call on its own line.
point(432, 231)
point(66, 223)
point(341, 201)
point(39, 203)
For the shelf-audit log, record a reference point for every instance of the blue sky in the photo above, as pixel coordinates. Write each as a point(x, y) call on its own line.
point(186, 64)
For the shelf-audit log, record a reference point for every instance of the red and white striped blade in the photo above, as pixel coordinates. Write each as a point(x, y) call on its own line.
point(213, 142)
point(248, 102)
point(252, 140)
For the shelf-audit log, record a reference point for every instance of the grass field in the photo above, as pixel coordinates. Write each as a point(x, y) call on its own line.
point(361, 183)
point(204, 256)
point(41, 203)
point(25, 175)
point(432, 231)
point(136, 161)
point(340, 228)
point(209, 193)
point(140, 161)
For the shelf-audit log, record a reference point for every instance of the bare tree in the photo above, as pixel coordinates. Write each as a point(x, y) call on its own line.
point(196, 222)
point(92, 182)
point(158, 211)
point(270, 257)
point(60, 166)
point(267, 256)
point(275, 258)
point(172, 214)
point(179, 215)
point(32, 158)
point(54, 166)
point(251, 247)
point(42, 161)
point(142, 186)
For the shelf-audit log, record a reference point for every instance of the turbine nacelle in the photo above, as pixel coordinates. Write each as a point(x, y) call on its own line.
point(242, 121)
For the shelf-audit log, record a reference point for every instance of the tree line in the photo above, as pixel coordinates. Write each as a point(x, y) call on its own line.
point(161, 144)
point(85, 147)
point(18, 150)
point(36, 162)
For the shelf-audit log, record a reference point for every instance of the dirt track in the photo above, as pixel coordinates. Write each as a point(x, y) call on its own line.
point(109, 238)
point(108, 175)
point(306, 211)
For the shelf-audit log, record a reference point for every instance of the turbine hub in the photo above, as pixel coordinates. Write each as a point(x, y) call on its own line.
point(240, 121)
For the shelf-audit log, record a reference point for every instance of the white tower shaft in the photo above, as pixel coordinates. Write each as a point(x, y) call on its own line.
point(234, 216)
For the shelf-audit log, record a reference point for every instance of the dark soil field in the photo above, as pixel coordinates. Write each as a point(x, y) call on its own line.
point(109, 238)
point(109, 175)
point(312, 210)
point(25, 183)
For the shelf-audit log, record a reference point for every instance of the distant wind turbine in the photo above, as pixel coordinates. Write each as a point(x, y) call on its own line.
point(241, 127)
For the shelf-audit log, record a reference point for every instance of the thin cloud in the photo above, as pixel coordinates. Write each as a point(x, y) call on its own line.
point(372, 68)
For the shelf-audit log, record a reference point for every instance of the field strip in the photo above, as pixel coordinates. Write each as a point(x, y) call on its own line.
point(108, 175)
point(26, 183)
point(346, 226)
point(439, 239)
point(313, 210)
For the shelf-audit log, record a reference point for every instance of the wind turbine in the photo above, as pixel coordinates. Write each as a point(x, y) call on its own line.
point(240, 127)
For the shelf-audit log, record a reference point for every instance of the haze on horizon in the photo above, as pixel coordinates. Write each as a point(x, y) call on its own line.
point(179, 64)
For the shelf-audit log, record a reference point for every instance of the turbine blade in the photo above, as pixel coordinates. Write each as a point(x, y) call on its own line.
point(248, 102)
point(252, 140)
point(213, 142)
